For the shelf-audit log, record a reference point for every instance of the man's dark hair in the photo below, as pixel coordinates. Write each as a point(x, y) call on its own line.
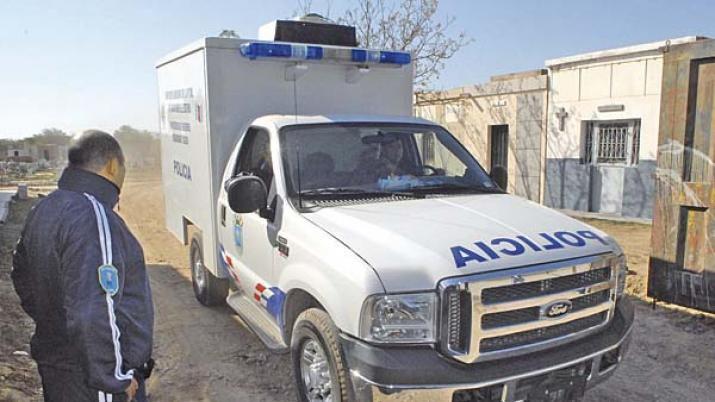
point(94, 150)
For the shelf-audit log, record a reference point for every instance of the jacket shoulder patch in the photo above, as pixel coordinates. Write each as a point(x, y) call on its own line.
point(109, 279)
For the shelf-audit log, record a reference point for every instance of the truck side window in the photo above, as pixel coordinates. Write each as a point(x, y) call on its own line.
point(255, 156)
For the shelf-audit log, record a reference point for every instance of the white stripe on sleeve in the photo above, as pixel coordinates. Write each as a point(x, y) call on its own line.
point(105, 240)
point(107, 233)
point(100, 227)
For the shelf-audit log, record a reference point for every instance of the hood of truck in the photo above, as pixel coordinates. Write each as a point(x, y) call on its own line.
point(414, 244)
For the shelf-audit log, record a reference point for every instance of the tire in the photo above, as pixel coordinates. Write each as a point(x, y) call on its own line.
point(208, 289)
point(314, 327)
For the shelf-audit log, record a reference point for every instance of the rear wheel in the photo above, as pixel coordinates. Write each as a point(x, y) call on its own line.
point(208, 289)
point(318, 365)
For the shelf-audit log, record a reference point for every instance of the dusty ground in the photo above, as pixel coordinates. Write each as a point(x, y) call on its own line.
point(18, 375)
point(208, 355)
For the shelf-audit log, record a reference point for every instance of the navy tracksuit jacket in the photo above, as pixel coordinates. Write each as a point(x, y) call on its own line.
point(100, 332)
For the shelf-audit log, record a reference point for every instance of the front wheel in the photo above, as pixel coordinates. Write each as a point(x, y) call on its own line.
point(318, 365)
point(208, 289)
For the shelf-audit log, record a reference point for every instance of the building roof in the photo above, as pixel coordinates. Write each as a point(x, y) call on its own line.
point(498, 85)
point(621, 51)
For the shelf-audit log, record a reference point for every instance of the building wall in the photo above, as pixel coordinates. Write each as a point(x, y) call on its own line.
point(51, 152)
point(518, 101)
point(682, 261)
point(20, 152)
point(631, 82)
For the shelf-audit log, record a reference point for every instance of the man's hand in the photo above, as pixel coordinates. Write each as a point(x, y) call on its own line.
point(131, 390)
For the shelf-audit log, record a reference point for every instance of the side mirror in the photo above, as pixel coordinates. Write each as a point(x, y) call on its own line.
point(246, 194)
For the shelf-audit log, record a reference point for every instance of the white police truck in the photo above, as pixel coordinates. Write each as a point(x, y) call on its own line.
point(369, 243)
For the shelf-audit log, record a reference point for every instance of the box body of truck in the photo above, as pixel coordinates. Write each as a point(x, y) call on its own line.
point(209, 94)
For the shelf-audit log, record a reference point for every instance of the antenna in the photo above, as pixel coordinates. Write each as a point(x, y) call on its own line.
point(297, 166)
point(295, 99)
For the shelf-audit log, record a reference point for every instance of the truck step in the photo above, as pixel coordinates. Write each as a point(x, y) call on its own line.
point(257, 321)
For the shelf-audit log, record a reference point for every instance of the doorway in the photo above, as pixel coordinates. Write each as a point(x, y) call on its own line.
point(499, 154)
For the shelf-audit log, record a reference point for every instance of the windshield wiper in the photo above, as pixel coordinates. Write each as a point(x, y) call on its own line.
point(455, 188)
point(347, 191)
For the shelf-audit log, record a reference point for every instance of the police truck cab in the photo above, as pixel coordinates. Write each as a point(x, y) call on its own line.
point(370, 244)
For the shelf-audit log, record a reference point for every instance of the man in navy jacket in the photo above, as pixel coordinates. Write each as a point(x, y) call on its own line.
point(80, 275)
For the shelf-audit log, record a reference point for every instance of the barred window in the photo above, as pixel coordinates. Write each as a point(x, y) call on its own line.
point(611, 142)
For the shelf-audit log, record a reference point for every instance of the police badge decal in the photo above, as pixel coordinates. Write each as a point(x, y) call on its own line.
point(109, 279)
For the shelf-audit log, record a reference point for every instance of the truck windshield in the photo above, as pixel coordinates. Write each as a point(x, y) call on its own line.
point(369, 159)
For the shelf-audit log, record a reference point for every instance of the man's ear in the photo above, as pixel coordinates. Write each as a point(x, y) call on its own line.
point(112, 167)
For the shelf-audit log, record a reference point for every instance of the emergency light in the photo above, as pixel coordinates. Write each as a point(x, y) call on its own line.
point(254, 50)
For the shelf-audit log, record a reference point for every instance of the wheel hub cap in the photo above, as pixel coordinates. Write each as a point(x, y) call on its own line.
point(199, 273)
point(315, 371)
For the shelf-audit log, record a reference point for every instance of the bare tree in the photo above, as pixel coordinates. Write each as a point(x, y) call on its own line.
point(51, 136)
point(407, 25)
point(304, 7)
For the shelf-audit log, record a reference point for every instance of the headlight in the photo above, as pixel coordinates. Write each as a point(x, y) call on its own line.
point(621, 272)
point(403, 318)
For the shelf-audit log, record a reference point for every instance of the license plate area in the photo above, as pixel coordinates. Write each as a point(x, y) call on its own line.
point(564, 385)
point(561, 386)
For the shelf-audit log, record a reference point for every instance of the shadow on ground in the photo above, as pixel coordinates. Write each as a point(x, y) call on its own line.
point(207, 353)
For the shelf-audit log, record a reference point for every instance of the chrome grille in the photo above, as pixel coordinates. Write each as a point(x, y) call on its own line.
point(503, 313)
point(495, 320)
point(547, 286)
point(540, 335)
point(457, 312)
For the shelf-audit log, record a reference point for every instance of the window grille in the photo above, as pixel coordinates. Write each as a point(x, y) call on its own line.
point(636, 143)
point(588, 143)
point(615, 142)
point(612, 143)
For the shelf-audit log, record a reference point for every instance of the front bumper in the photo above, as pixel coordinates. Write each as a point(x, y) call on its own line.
point(422, 374)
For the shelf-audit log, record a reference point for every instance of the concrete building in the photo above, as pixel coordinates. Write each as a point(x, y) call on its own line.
point(501, 122)
point(27, 152)
point(50, 152)
point(602, 137)
point(581, 135)
point(18, 152)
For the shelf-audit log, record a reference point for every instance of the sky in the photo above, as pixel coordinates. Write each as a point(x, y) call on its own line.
point(77, 64)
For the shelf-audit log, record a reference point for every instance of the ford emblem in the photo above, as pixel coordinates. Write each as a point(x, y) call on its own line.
point(556, 309)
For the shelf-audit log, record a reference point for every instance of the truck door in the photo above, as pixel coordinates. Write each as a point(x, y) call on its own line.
point(247, 244)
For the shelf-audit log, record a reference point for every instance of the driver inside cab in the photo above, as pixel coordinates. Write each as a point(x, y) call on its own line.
point(390, 158)
point(383, 159)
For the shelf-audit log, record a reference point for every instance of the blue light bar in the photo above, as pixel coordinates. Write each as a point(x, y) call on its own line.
point(359, 55)
point(255, 50)
point(395, 58)
point(314, 53)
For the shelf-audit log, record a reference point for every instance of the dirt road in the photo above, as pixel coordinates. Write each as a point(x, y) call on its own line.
point(208, 355)
point(18, 375)
point(202, 353)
